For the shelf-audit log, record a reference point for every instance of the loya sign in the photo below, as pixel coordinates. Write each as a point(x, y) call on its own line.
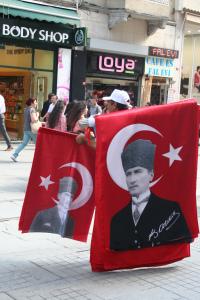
point(39, 32)
point(114, 64)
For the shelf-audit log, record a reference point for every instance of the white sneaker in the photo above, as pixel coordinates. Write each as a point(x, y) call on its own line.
point(13, 158)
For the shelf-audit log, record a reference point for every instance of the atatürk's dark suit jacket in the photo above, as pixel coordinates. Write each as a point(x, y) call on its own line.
point(161, 222)
point(48, 220)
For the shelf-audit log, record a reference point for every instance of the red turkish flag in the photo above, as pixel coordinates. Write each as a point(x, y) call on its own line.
point(199, 119)
point(164, 196)
point(59, 196)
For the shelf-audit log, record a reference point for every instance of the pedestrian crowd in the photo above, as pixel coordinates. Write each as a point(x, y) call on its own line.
point(76, 116)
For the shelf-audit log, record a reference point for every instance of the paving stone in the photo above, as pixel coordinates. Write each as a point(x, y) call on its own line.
point(4, 296)
point(155, 294)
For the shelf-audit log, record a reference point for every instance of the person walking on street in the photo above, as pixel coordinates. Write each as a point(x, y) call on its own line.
point(30, 115)
point(117, 101)
point(2, 124)
point(47, 104)
point(54, 99)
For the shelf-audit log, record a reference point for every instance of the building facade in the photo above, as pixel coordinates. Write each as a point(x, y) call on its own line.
point(37, 42)
point(128, 30)
point(134, 28)
point(191, 47)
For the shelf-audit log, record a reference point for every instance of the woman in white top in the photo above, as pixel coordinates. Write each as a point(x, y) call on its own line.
point(2, 124)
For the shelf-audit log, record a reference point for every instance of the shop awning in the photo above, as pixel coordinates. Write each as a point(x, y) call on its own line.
point(38, 11)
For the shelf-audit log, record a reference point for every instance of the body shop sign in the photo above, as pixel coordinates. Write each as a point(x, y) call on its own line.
point(113, 64)
point(40, 32)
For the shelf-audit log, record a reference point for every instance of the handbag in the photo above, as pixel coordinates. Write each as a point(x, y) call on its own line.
point(35, 126)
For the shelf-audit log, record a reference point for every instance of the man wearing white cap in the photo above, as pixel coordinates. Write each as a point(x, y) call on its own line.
point(147, 220)
point(117, 101)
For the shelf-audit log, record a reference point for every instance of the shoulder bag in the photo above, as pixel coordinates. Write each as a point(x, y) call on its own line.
point(35, 126)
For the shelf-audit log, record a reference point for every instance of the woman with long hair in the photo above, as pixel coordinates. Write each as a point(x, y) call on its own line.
point(76, 111)
point(30, 115)
point(57, 119)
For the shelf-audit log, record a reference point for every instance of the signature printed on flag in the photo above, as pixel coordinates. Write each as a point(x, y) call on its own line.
point(166, 225)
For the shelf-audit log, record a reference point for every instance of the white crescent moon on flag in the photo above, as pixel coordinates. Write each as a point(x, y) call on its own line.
point(87, 185)
point(113, 159)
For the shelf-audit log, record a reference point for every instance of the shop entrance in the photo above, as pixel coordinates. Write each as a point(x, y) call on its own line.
point(24, 72)
point(159, 91)
point(156, 90)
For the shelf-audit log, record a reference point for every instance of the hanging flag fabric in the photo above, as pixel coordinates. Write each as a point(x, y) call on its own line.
point(146, 167)
point(60, 193)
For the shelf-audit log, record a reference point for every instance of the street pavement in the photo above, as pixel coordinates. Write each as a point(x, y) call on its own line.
point(45, 266)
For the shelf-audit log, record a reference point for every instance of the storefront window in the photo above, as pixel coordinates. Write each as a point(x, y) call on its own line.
point(41, 85)
point(155, 90)
point(15, 88)
point(43, 59)
point(24, 73)
point(15, 56)
point(104, 87)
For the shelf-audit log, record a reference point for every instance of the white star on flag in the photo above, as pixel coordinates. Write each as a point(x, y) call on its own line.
point(173, 154)
point(45, 181)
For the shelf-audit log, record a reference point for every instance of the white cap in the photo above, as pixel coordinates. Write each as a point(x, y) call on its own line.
point(118, 96)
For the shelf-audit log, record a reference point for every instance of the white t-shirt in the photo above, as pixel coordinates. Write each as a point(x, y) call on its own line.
point(51, 107)
point(2, 105)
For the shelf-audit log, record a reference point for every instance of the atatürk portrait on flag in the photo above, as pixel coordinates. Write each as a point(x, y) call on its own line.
point(147, 220)
point(56, 219)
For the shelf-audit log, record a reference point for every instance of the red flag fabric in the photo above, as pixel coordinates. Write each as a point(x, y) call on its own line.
point(199, 119)
point(59, 197)
point(159, 146)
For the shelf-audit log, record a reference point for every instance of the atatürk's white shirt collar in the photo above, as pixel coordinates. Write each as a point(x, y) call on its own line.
point(145, 195)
